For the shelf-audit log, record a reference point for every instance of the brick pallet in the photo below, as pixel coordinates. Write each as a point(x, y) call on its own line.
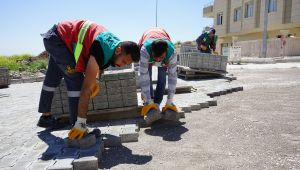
point(117, 91)
point(4, 78)
point(197, 65)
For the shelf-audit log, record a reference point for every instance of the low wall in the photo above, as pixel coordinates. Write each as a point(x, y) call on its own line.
point(253, 48)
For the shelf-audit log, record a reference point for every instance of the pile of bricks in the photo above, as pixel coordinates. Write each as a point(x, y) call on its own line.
point(197, 60)
point(4, 78)
point(117, 90)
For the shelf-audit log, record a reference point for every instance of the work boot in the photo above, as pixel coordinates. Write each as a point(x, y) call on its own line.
point(152, 116)
point(49, 121)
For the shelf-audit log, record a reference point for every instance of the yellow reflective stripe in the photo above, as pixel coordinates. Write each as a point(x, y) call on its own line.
point(81, 35)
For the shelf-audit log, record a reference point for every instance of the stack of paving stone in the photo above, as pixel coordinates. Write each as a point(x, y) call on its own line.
point(196, 60)
point(185, 48)
point(4, 78)
point(117, 90)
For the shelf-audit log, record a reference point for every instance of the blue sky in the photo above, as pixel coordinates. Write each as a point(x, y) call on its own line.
point(21, 22)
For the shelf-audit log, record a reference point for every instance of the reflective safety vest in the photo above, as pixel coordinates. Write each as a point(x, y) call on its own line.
point(107, 40)
point(79, 36)
point(153, 34)
point(170, 52)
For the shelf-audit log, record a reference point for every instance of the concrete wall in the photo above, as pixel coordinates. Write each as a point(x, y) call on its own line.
point(253, 48)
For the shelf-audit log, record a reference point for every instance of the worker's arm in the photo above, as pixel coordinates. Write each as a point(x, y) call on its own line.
point(91, 72)
point(200, 41)
point(172, 78)
point(79, 130)
point(144, 75)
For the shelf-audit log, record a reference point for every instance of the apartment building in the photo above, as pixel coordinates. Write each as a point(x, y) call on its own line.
point(243, 20)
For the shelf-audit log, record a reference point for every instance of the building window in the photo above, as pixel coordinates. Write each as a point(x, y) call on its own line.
point(220, 18)
point(237, 14)
point(272, 6)
point(249, 9)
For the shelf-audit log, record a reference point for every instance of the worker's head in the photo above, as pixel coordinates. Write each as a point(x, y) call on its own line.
point(159, 50)
point(126, 53)
point(212, 32)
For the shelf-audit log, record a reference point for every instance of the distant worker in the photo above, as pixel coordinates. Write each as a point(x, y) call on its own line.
point(157, 50)
point(206, 42)
point(78, 52)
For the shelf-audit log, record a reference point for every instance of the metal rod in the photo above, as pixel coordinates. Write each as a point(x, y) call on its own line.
point(156, 14)
point(265, 33)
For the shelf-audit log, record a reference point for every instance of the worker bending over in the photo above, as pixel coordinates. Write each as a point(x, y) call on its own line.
point(206, 42)
point(78, 52)
point(157, 50)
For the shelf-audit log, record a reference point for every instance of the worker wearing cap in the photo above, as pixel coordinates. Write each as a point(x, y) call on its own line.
point(78, 52)
point(157, 50)
point(206, 42)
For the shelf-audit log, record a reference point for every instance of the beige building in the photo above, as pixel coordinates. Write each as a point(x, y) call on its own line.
point(237, 21)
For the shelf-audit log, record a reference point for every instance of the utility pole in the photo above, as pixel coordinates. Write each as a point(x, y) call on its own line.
point(265, 33)
point(156, 14)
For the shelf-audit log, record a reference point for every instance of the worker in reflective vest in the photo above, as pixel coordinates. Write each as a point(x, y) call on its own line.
point(157, 50)
point(78, 52)
point(207, 41)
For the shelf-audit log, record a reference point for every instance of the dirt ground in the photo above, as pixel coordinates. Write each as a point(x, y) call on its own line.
point(258, 128)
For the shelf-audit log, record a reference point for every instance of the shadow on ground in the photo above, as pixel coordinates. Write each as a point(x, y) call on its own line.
point(122, 155)
point(55, 145)
point(168, 130)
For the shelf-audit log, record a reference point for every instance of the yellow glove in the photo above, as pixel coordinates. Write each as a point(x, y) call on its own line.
point(96, 89)
point(79, 130)
point(148, 107)
point(215, 53)
point(170, 107)
point(203, 47)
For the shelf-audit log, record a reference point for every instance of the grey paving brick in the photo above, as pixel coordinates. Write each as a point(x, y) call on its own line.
point(128, 89)
point(95, 150)
point(170, 115)
point(128, 82)
point(113, 84)
point(86, 163)
point(85, 142)
point(127, 102)
point(100, 99)
point(99, 106)
point(62, 164)
point(113, 91)
point(195, 107)
point(129, 133)
point(204, 104)
point(115, 104)
point(39, 164)
point(116, 97)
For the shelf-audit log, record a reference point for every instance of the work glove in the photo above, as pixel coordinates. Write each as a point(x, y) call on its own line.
point(203, 47)
point(147, 107)
point(95, 90)
point(79, 130)
point(215, 53)
point(170, 106)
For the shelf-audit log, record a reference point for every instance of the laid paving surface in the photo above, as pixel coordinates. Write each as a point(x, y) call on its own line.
point(254, 129)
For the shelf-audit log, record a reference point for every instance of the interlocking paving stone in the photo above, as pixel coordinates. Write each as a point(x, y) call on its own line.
point(86, 163)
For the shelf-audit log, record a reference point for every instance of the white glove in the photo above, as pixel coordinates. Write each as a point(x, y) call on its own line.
point(79, 130)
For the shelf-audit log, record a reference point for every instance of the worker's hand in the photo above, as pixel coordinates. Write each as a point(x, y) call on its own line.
point(148, 107)
point(170, 106)
point(79, 130)
point(203, 47)
point(95, 91)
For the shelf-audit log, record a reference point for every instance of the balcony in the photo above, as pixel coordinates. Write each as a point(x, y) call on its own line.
point(208, 10)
